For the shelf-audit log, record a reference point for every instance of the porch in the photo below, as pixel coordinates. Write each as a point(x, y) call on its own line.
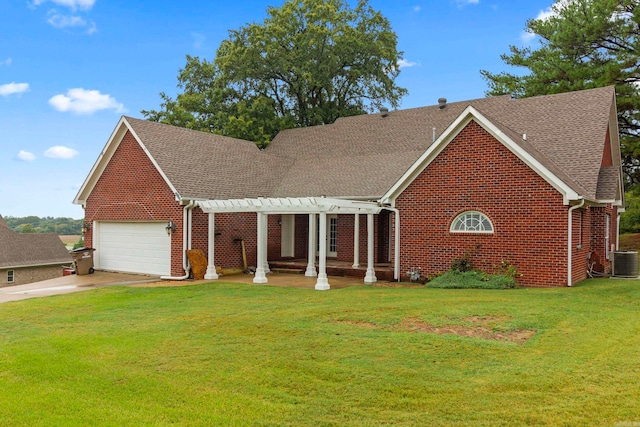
point(383, 271)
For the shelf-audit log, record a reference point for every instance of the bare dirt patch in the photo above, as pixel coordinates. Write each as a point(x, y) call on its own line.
point(519, 336)
point(481, 330)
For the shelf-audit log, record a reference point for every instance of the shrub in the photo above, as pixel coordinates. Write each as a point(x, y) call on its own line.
point(472, 280)
point(463, 264)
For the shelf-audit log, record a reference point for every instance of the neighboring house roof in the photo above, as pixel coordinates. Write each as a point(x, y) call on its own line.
point(30, 249)
point(364, 157)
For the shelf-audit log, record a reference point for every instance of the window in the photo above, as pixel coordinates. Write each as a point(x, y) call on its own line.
point(471, 222)
point(10, 278)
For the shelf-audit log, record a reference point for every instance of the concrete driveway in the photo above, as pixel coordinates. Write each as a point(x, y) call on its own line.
point(72, 283)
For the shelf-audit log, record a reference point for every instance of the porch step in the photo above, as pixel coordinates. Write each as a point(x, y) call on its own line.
point(287, 270)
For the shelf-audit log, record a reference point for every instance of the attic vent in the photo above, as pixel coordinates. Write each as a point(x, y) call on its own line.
point(384, 111)
point(442, 102)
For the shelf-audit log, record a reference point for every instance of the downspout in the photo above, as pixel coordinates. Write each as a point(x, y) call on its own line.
point(186, 241)
point(396, 244)
point(570, 245)
point(618, 231)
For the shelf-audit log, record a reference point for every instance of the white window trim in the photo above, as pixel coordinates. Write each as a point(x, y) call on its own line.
point(461, 214)
point(11, 274)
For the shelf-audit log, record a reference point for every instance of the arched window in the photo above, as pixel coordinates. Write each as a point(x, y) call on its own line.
point(471, 222)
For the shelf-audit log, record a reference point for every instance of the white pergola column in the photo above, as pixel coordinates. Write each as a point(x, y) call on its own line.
point(265, 240)
point(311, 258)
point(322, 283)
point(211, 268)
point(260, 276)
point(356, 241)
point(370, 276)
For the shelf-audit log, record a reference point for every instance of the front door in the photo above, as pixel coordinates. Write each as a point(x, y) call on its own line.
point(332, 235)
point(288, 235)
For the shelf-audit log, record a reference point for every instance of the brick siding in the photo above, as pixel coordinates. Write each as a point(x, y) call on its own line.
point(476, 172)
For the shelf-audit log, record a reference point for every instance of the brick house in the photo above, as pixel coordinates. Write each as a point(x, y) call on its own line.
point(534, 182)
point(30, 257)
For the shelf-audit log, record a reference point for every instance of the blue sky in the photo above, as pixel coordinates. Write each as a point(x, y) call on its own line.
point(70, 68)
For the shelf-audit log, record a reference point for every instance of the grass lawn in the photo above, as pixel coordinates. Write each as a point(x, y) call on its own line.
point(230, 354)
point(629, 242)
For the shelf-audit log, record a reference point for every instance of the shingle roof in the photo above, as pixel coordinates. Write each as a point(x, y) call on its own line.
point(364, 156)
point(30, 249)
point(206, 165)
point(608, 183)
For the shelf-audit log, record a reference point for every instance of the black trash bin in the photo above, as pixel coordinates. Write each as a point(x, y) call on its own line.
point(83, 259)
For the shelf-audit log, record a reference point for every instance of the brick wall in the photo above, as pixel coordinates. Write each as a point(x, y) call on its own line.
point(131, 189)
point(476, 172)
point(23, 276)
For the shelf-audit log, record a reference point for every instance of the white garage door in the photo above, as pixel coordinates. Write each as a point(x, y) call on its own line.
point(134, 247)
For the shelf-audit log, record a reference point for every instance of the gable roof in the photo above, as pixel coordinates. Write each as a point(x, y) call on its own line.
point(366, 156)
point(30, 249)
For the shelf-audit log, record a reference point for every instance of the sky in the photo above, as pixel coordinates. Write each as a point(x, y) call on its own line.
point(70, 68)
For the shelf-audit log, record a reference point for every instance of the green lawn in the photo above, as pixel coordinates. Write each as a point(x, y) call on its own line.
point(230, 354)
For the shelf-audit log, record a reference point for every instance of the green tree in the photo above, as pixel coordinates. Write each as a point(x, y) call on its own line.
point(26, 228)
point(583, 44)
point(308, 63)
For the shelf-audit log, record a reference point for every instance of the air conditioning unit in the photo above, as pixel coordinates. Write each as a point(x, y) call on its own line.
point(625, 264)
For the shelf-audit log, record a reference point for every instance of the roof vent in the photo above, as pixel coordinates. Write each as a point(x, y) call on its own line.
point(442, 102)
point(384, 111)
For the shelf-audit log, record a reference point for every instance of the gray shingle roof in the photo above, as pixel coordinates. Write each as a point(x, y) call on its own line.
point(30, 249)
point(608, 183)
point(364, 156)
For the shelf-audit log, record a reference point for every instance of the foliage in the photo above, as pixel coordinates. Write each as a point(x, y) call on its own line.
point(630, 242)
point(584, 44)
point(34, 224)
point(463, 264)
point(308, 63)
point(79, 244)
point(472, 280)
point(505, 268)
point(630, 218)
point(291, 357)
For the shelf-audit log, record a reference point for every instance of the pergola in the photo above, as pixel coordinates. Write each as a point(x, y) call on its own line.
point(312, 206)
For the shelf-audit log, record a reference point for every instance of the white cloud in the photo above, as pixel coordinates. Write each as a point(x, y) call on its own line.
point(26, 156)
point(198, 40)
point(403, 63)
point(527, 37)
point(13, 87)
point(82, 101)
point(58, 20)
point(63, 21)
point(544, 15)
point(417, 8)
point(71, 4)
point(6, 62)
point(463, 2)
point(60, 152)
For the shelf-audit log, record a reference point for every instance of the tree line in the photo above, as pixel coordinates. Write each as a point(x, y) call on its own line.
point(33, 224)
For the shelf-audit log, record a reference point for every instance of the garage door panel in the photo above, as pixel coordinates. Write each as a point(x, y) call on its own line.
point(134, 247)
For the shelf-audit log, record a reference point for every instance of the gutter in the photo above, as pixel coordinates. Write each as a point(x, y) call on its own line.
point(186, 241)
point(570, 240)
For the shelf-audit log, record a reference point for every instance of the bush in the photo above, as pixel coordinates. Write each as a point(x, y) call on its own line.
point(463, 264)
point(80, 243)
point(472, 280)
point(630, 218)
